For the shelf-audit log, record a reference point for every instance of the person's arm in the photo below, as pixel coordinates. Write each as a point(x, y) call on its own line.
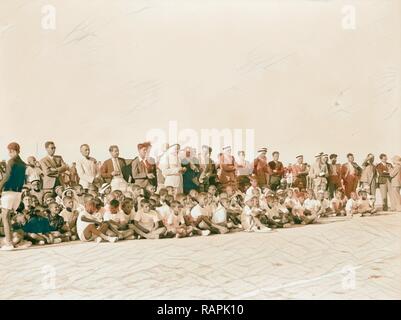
point(104, 171)
point(7, 174)
point(86, 219)
point(63, 167)
point(141, 228)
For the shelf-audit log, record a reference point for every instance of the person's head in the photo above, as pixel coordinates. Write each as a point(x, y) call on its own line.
point(320, 195)
point(145, 205)
point(253, 181)
point(13, 150)
point(354, 196)
point(50, 148)
point(127, 205)
point(206, 150)
point(68, 203)
point(114, 206)
point(35, 201)
point(227, 150)
point(256, 192)
point(143, 149)
point(136, 191)
point(35, 185)
point(88, 197)
point(31, 161)
point(338, 194)
point(370, 158)
point(350, 157)
point(383, 157)
point(85, 150)
point(114, 151)
point(333, 158)
point(193, 194)
point(162, 194)
point(68, 193)
point(250, 201)
point(276, 155)
point(54, 208)
point(325, 158)
point(300, 159)
point(27, 202)
point(283, 184)
point(229, 190)
point(363, 194)
point(176, 206)
point(310, 194)
point(241, 154)
point(150, 189)
point(79, 190)
point(269, 198)
point(90, 206)
point(202, 197)
point(212, 190)
point(59, 190)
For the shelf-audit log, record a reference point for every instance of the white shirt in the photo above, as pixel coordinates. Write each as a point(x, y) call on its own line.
point(219, 215)
point(87, 171)
point(119, 217)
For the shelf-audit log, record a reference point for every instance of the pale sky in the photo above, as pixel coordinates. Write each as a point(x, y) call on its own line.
point(112, 70)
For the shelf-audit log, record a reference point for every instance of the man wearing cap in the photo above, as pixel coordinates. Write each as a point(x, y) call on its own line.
point(261, 169)
point(53, 167)
point(300, 171)
point(170, 166)
point(319, 172)
point(383, 171)
point(350, 174)
point(276, 171)
point(10, 190)
point(87, 168)
point(143, 167)
point(114, 171)
point(228, 168)
point(334, 179)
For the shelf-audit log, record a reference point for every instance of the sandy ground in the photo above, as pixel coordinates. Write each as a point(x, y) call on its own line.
point(356, 258)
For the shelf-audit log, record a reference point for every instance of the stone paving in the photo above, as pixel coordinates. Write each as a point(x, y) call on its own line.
point(339, 258)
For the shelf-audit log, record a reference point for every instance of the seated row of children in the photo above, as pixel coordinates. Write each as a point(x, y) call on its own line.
point(105, 215)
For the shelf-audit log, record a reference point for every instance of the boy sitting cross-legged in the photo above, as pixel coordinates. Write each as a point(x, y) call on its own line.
point(89, 228)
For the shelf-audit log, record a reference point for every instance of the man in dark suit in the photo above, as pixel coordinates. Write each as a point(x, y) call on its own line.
point(53, 166)
point(114, 171)
point(143, 167)
point(277, 171)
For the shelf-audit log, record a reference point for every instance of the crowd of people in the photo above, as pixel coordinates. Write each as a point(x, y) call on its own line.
point(181, 194)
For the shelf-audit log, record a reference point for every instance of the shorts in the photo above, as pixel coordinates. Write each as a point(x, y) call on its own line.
point(10, 200)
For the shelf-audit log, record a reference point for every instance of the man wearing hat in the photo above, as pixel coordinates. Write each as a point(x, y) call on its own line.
point(319, 172)
point(261, 169)
point(334, 179)
point(300, 171)
point(276, 171)
point(350, 174)
point(228, 168)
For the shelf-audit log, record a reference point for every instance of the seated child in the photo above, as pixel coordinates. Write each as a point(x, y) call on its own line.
point(147, 222)
point(351, 207)
point(90, 228)
point(57, 224)
point(250, 216)
point(202, 214)
point(70, 217)
point(337, 204)
point(118, 221)
point(365, 205)
point(175, 222)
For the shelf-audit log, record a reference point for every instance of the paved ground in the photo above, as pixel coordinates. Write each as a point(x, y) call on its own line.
point(355, 258)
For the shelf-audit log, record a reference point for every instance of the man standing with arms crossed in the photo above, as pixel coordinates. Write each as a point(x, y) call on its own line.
point(10, 189)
